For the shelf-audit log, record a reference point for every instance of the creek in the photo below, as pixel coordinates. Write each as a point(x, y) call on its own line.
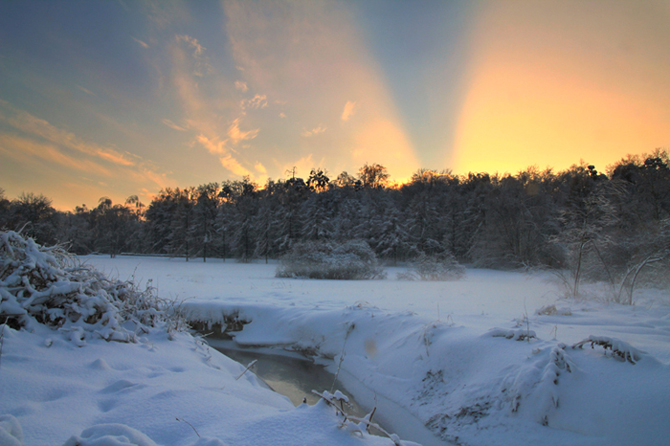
point(295, 376)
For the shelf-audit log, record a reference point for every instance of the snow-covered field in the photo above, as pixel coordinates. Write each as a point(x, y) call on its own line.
point(472, 359)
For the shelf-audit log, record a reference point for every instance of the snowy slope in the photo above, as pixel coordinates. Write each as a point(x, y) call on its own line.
point(58, 392)
point(472, 359)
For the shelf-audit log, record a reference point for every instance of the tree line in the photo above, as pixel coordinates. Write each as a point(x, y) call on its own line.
point(610, 226)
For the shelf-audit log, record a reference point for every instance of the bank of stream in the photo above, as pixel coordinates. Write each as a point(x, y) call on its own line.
point(295, 376)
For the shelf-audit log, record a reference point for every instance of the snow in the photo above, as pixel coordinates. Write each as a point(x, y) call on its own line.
point(135, 394)
point(484, 360)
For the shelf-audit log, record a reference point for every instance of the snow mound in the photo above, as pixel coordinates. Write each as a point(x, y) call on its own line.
point(110, 435)
point(47, 286)
point(11, 433)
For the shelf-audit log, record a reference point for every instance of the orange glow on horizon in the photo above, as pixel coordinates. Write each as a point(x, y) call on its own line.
point(512, 120)
point(549, 87)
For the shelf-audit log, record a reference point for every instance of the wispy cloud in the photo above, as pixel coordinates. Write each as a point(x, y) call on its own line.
point(205, 115)
point(260, 168)
point(192, 43)
point(269, 41)
point(233, 165)
point(220, 148)
point(242, 86)
point(172, 125)
point(213, 146)
point(37, 139)
point(140, 42)
point(26, 151)
point(85, 90)
point(349, 110)
point(114, 157)
point(201, 66)
point(315, 131)
point(237, 135)
point(36, 127)
point(258, 101)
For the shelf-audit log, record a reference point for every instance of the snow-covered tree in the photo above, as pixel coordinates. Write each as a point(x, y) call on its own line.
point(204, 216)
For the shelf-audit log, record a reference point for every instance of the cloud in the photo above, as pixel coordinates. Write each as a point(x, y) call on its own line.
point(204, 114)
point(237, 135)
point(314, 55)
point(160, 179)
point(258, 101)
point(114, 156)
point(315, 131)
point(36, 127)
point(282, 115)
point(40, 146)
point(215, 147)
point(242, 86)
point(192, 43)
point(172, 125)
point(260, 168)
point(233, 165)
point(349, 110)
point(142, 44)
point(26, 150)
point(85, 90)
point(201, 66)
point(218, 147)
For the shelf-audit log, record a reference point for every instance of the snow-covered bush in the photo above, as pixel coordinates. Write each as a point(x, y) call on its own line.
point(443, 267)
point(46, 285)
point(350, 260)
point(620, 349)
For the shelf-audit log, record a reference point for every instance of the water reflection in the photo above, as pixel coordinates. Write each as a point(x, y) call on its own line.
point(292, 376)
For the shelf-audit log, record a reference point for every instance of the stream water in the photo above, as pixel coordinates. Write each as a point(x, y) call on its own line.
point(295, 376)
point(288, 373)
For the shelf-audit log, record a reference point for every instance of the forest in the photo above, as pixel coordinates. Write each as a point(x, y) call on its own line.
point(612, 227)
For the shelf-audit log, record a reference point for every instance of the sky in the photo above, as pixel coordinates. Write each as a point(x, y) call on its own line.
point(120, 98)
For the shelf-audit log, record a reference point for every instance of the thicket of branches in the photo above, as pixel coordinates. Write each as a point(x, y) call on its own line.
point(48, 286)
point(610, 226)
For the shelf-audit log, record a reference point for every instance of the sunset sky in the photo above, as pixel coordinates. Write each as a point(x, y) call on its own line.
point(124, 97)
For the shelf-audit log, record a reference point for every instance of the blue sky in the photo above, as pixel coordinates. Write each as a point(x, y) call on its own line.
point(119, 98)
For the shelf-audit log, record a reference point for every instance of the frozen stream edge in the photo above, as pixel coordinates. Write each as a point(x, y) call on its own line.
point(390, 414)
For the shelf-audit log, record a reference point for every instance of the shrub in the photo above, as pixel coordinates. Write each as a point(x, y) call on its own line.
point(352, 260)
point(443, 267)
point(48, 286)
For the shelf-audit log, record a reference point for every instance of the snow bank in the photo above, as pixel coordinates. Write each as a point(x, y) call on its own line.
point(166, 387)
point(502, 387)
point(155, 391)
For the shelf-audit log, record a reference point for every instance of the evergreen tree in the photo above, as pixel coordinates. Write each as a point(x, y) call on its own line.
point(204, 218)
